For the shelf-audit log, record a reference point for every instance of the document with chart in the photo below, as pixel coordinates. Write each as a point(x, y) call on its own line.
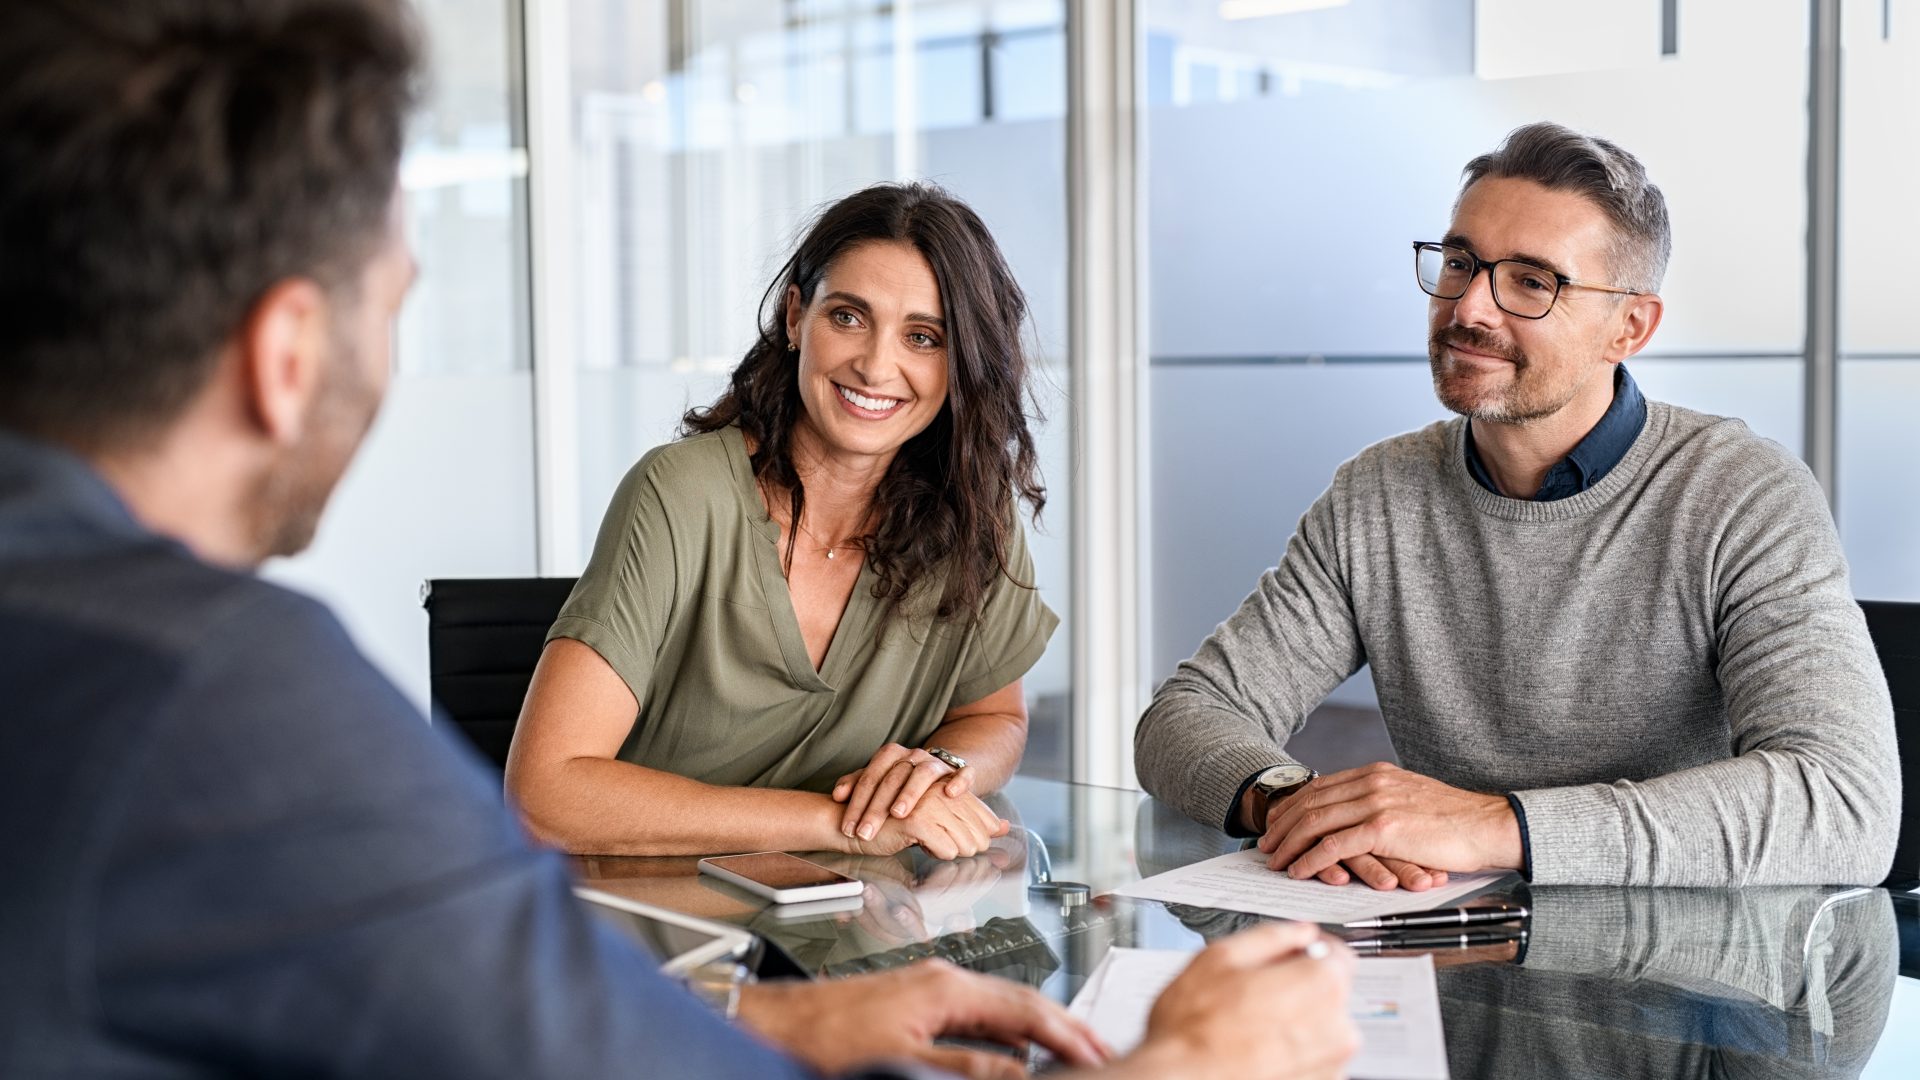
point(1395, 1004)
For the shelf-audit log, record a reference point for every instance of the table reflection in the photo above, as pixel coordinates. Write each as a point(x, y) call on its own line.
point(1612, 982)
point(1682, 983)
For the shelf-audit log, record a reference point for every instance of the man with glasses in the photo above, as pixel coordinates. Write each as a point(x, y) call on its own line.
point(1613, 638)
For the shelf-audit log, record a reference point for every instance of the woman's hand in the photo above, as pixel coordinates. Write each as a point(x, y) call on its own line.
point(892, 782)
point(945, 827)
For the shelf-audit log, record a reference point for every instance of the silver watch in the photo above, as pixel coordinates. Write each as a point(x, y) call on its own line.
point(953, 760)
point(1282, 780)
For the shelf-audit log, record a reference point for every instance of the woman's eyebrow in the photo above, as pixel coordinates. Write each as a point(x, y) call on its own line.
point(848, 298)
point(856, 301)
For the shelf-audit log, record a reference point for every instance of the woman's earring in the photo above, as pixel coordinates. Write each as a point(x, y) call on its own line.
point(791, 347)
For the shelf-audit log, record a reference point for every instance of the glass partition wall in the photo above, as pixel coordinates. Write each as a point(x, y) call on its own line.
point(1879, 499)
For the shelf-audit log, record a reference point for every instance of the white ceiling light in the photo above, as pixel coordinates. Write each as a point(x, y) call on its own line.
point(1260, 9)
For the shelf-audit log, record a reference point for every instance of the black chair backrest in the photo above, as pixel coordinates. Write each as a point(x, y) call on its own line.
point(1896, 637)
point(484, 636)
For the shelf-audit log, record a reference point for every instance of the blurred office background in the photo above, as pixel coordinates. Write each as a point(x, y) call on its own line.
point(600, 191)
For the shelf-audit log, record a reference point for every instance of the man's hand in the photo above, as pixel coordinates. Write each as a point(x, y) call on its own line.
point(834, 1026)
point(1383, 812)
point(1260, 815)
point(892, 782)
point(1380, 873)
point(945, 826)
point(1259, 1003)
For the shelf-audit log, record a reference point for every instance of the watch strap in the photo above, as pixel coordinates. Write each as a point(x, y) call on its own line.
point(1233, 827)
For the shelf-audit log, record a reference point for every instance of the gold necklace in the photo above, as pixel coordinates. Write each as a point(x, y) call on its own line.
point(766, 499)
point(811, 535)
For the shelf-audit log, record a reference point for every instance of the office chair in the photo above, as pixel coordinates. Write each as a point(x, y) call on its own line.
point(1895, 628)
point(484, 636)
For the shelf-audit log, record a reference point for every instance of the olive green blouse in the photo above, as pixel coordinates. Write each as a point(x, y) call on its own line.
point(685, 599)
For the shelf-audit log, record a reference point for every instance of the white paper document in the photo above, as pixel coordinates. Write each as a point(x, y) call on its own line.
point(1240, 881)
point(1395, 1004)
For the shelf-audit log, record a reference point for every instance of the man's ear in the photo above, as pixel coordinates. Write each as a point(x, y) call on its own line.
point(1637, 324)
point(283, 349)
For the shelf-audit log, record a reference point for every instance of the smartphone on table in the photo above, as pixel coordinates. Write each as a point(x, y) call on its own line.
point(780, 877)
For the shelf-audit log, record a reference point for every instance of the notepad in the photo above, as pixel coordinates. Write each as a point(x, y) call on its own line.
point(1240, 881)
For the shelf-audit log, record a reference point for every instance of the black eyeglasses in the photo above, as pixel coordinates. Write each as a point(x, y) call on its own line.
point(1521, 289)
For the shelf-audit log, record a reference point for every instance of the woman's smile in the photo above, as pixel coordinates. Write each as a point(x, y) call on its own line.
point(868, 407)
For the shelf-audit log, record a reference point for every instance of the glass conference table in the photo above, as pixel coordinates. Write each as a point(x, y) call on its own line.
point(1761, 982)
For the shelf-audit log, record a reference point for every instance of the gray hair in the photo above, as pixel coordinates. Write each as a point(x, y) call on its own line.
point(1561, 159)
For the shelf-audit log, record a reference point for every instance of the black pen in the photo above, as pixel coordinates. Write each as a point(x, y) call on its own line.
point(1465, 939)
point(1453, 916)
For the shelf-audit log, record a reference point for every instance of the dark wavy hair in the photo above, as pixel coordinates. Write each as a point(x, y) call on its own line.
point(947, 505)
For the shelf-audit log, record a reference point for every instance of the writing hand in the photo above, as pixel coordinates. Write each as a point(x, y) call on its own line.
point(837, 1025)
point(1271, 1001)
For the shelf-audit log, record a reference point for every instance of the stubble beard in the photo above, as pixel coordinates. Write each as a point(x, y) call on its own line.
point(289, 499)
point(1519, 403)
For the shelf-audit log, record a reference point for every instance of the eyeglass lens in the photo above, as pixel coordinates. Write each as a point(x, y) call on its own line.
point(1519, 289)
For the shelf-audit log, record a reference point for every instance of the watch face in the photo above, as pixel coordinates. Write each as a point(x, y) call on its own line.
point(1285, 776)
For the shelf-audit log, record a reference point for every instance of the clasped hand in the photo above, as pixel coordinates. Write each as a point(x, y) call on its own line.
point(892, 803)
point(1389, 827)
point(894, 795)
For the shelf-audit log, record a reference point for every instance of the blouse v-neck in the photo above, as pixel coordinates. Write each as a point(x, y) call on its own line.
point(854, 619)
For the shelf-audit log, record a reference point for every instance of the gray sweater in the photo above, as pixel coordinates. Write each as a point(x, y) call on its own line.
point(1668, 669)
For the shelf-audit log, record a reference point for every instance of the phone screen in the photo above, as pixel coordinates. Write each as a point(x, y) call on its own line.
point(778, 870)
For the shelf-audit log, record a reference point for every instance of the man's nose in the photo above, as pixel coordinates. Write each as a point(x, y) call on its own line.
point(1476, 306)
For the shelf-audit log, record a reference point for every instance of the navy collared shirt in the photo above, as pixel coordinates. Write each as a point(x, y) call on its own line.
point(1594, 456)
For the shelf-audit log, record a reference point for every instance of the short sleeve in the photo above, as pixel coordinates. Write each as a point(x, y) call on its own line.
point(1012, 631)
point(622, 604)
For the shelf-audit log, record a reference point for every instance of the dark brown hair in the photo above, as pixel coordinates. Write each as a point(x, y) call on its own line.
point(946, 507)
point(162, 165)
point(1559, 158)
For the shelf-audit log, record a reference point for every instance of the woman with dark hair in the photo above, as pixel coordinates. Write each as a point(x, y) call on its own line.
point(805, 623)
